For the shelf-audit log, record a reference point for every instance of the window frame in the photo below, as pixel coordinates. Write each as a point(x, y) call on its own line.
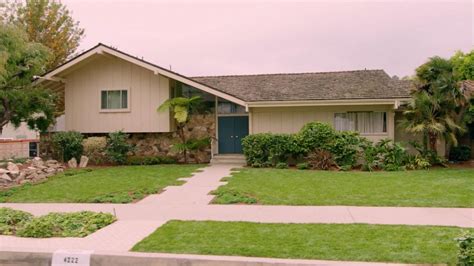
point(115, 110)
point(385, 120)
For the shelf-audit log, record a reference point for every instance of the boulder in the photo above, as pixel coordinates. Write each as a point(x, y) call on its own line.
point(72, 163)
point(37, 161)
point(13, 168)
point(4, 171)
point(84, 161)
point(5, 178)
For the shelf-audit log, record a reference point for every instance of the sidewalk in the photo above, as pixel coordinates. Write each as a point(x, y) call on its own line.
point(190, 201)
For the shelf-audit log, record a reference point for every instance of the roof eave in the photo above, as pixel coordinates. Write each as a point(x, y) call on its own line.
point(339, 102)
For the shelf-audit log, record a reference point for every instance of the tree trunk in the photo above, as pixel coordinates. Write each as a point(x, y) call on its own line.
point(183, 140)
point(433, 138)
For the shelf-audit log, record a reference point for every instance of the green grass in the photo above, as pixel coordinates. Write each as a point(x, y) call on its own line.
point(114, 184)
point(350, 242)
point(427, 188)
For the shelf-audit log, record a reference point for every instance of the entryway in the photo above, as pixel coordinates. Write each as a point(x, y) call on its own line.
point(231, 130)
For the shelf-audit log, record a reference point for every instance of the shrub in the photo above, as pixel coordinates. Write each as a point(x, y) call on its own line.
point(117, 147)
point(94, 148)
point(465, 249)
point(417, 162)
point(393, 155)
point(10, 219)
point(302, 166)
point(76, 224)
point(460, 153)
point(68, 145)
point(269, 149)
point(321, 159)
point(316, 135)
point(281, 165)
point(346, 147)
point(149, 160)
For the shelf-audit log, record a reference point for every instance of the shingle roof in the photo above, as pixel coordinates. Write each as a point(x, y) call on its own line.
point(358, 84)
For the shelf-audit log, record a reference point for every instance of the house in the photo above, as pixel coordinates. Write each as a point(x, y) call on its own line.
point(106, 90)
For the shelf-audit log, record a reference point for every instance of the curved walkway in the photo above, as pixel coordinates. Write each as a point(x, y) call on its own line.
point(190, 201)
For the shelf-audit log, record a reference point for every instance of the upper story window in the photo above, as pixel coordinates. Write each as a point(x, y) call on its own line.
point(363, 122)
point(114, 99)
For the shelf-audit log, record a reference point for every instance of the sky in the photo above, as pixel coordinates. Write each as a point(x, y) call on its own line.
point(198, 38)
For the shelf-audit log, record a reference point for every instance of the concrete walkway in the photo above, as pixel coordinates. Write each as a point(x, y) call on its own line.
point(190, 201)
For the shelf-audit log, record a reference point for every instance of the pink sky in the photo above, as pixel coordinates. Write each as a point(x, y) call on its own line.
point(229, 37)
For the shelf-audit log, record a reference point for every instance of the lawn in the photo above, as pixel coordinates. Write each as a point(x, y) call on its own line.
point(113, 184)
point(427, 188)
point(350, 242)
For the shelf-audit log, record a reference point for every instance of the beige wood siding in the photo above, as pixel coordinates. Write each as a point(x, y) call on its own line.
point(291, 119)
point(146, 92)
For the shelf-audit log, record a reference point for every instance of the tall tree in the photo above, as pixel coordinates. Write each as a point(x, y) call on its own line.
point(463, 65)
point(20, 100)
point(437, 104)
point(50, 23)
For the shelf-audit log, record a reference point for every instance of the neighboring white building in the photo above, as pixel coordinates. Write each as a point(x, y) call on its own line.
point(22, 132)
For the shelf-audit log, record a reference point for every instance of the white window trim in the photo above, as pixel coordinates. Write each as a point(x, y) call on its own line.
point(120, 110)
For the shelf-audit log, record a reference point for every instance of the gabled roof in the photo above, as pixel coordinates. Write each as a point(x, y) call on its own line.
point(99, 49)
point(343, 85)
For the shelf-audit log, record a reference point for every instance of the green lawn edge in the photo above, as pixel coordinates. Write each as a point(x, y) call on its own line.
point(340, 242)
point(120, 184)
point(422, 188)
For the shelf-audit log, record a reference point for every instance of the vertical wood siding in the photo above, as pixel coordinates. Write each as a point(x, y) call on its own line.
point(292, 119)
point(146, 92)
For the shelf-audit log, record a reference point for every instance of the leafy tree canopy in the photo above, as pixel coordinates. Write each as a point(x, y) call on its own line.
point(463, 65)
point(47, 22)
point(20, 100)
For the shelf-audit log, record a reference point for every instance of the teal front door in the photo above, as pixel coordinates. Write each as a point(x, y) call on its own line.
point(231, 131)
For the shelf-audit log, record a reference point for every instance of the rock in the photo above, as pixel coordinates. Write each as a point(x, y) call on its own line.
point(5, 178)
point(72, 163)
point(84, 161)
point(4, 171)
point(13, 168)
point(37, 161)
point(32, 176)
point(48, 162)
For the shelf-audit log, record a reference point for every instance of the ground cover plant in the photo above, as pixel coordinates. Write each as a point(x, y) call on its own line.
point(75, 224)
point(121, 184)
point(350, 242)
point(438, 187)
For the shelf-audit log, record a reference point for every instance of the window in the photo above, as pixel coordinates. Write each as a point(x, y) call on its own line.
point(363, 122)
point(114, 99)
point(230, 108)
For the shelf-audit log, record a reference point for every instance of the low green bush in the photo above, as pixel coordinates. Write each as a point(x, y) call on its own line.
point(10, 220)
point(465, 249)
point(266, 149)
point(316, 135)
point(74, 224)
point(281, 165)
point(149, 160)
point(460, 153)
point(117, 147)
point(302, 166)
point(67, 145)
point(94, 148)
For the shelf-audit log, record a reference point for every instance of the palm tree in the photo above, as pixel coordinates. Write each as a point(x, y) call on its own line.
point(437, 104)
point(181, 108)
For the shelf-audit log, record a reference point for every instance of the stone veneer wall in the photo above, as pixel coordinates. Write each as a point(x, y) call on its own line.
point(159, 144)
point(151, 144)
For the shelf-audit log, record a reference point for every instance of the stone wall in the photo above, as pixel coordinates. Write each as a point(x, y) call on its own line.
point(159, 144)
point(151, 144)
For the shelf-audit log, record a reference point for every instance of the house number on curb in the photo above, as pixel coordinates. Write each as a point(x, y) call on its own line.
point(64, 257)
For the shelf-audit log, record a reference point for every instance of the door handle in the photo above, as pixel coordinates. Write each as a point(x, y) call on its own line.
point(236, 137)
point(231, 136)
